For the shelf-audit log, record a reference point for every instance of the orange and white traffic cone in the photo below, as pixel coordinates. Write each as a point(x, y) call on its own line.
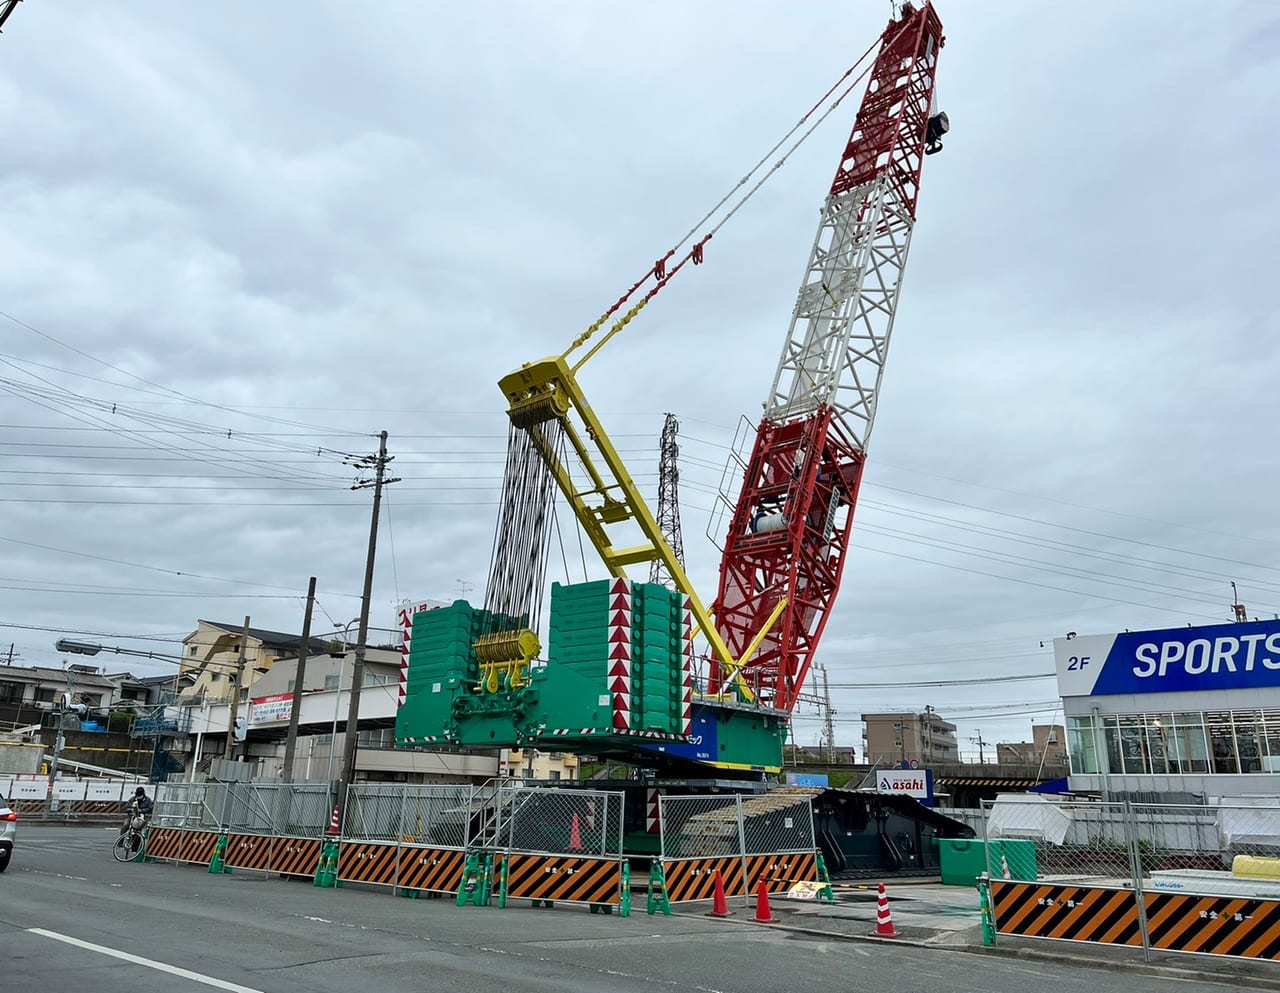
point(719, 904)
point(575, 835)
point(334, 828)
point(1004, 867)
point(764, 915)
point(884, 919)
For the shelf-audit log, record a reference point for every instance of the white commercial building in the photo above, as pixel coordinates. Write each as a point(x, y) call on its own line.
point(1193, 710)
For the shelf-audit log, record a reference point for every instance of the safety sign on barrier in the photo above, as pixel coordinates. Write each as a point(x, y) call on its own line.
point(567, 878)
point(164, 843)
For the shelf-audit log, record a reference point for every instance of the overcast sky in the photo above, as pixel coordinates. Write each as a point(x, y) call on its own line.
point(238, 238)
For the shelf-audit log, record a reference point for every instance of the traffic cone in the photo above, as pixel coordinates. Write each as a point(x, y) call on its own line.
point(884, 919)
point(575, 835)
point(1004, 866)
point(763, 914)
point(719, 905)
point(333, 822)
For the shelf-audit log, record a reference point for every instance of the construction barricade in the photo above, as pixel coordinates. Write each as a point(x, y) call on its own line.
point(1201, 879)
point(560, 846)
point(265, 827)
point(744, 839)
point(410, 837)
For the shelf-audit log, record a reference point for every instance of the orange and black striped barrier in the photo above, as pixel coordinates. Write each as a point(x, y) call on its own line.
point(563, 878)
point(164, 843)
point(248, 851)
point(437, 870)
point(1071, 913)
point(1241, 927)
point(367, 862)
point(295, 856)
point(694, 879)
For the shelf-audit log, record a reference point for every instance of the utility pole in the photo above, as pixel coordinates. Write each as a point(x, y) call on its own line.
point(235, 696)
point(829, 721)
point(379, 465)
point(66, 705)
point(295, 704)
point(982, 758)
point(928, 734)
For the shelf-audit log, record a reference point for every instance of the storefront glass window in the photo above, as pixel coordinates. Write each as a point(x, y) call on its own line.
point(1083, 745)
point(1248, 747)
point(1222, 741)
point(1133, 745)
point(1271, 741)
point(1159, 727)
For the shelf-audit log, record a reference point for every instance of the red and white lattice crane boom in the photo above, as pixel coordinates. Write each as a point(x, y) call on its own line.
point(789, 533)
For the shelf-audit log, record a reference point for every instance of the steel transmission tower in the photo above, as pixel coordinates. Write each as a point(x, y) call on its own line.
point(669, 501)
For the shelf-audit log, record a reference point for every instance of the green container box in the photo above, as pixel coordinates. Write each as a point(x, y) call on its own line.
point(963, 860)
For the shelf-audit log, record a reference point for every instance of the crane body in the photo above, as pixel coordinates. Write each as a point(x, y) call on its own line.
point(619, 676)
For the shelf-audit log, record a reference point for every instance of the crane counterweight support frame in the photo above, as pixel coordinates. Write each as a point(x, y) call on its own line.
point(607, 497)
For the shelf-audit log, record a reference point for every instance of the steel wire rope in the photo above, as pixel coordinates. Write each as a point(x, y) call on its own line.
point(183, 428)
point(659, 271)
point(142, 379)
point(193, 455)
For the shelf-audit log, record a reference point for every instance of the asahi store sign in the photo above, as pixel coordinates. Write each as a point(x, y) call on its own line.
point(916, 783)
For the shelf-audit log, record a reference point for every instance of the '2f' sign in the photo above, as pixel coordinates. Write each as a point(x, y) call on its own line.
point(1078, 662)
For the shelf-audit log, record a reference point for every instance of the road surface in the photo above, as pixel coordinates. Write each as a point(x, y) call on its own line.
point(72, 919)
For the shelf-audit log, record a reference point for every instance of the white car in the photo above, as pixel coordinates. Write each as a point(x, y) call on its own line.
point(8, 829)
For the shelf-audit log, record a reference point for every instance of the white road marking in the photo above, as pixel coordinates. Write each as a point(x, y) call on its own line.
point(172, 970)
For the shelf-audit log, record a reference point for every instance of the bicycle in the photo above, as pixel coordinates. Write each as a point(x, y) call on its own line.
point(129, 844)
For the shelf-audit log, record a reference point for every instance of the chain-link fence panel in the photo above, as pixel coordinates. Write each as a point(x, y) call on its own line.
point(250, 808)
point(1029, 838)
point(437, 815)
point(1225, 850)
point(560, 821)
point(374, 812)
point(777, 822)
point(179, 805)
point(701, 826)
point(303, 810)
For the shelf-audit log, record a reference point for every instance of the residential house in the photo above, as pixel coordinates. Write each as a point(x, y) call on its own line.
point(211, 654)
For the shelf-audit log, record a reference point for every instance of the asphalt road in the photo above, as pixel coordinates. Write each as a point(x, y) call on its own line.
point(68, 912)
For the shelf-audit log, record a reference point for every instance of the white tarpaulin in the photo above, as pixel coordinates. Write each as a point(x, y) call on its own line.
point(1026, 815)
point(1250, 821)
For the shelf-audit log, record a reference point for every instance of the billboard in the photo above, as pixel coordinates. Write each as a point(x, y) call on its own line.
point(271, 709)
point(1174, 660)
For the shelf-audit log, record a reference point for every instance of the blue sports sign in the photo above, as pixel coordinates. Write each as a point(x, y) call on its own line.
point(1215, 657)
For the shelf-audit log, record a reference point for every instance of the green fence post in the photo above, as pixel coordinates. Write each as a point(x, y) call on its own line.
point(624, 903)
point(218, 864)
point(659, 900)
point(825, 892)
point(984, 905)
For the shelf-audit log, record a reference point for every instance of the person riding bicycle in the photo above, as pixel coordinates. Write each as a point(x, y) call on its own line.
point(140, 805)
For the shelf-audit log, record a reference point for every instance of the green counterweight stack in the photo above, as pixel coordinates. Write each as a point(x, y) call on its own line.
point(614, 672)
point(623, 645)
